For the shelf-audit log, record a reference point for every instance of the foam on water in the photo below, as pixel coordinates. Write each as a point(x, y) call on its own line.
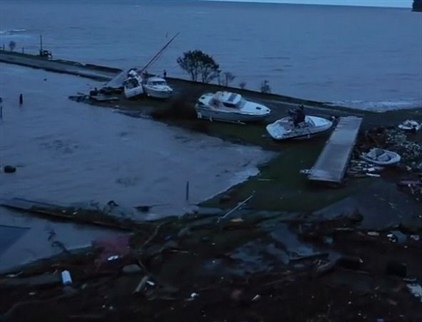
point(381, 106)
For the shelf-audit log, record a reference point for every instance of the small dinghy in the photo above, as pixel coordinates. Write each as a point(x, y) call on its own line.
point(381, 157)
point(284, 128)
point(410, 125)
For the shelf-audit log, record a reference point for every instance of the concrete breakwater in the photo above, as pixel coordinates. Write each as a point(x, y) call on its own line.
point(104, 73)
point(96, 72)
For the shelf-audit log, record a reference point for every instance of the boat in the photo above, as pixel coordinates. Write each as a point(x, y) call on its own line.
point(381, 157)
point(284, 128)
point(410, 125)
point(132, 86)
point(229, 107)
point(136, 81)
point(157, 87)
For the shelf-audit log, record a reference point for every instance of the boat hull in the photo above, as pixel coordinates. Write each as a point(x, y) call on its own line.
point(393, 158)
point(223, 116)
point(133, 92)
point(283, 130)
point(161, 94)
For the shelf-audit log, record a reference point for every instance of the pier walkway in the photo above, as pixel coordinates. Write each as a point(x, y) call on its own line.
point(334, 158)
point(99, 73)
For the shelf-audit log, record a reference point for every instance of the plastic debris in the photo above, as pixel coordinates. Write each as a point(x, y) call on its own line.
point(416, 290)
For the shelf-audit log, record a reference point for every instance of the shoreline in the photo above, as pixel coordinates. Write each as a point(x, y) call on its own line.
point(339, 250)
point(282, 173)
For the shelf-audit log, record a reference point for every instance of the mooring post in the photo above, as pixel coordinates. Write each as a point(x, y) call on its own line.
point(187, 190)
point(20, 99)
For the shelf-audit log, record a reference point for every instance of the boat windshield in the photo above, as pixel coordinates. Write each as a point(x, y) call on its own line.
point(239, 104)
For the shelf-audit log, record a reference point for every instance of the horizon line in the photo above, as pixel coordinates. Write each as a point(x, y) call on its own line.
point(315, 4)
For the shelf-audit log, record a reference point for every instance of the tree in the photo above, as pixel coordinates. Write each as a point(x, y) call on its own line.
point(242, 84)
point(199, 65)
point(265, 87)
point(12, 45)
point(228, 78)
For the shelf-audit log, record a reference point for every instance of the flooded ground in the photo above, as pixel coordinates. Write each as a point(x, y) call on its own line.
point(69, 152)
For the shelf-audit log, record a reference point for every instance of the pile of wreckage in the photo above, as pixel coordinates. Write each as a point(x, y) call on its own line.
point(219, 268)
point(402, 149)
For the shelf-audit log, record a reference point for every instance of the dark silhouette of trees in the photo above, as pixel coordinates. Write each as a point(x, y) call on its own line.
point(199, 65)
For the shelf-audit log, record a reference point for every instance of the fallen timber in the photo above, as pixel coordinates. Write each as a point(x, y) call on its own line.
point(167, 287)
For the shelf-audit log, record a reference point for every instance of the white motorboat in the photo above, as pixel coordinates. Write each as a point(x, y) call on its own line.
point(132, 86)
point(285, 129)
point(229, 107)
point(381, 157)
point(410, 125)
point(157, 87)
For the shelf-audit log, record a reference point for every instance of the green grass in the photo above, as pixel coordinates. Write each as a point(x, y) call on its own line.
point(281, 187)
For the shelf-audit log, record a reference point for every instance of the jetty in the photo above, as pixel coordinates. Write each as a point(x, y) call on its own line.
point(100, 73)
point(332, 163)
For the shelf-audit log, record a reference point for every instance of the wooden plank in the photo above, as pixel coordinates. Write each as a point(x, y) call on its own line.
point(334, 158)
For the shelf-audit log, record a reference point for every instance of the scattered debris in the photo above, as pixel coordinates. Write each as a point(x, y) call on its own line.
point(416, 290)
point(178, 269)
point(8, 169)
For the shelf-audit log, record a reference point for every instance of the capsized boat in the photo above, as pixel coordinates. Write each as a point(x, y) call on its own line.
point(381, 157)
point(132, 86)
point(157, 87)
point(284, 128)
point(229, 107)
point(410, 125)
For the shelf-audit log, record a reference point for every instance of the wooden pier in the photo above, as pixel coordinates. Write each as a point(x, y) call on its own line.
point(333, 161)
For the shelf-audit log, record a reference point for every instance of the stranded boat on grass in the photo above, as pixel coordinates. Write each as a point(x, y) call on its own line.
point(229, 107)
point(156, 87)
point(381, 157)
point(135, 86)
point(132, 86)
point(292, 127)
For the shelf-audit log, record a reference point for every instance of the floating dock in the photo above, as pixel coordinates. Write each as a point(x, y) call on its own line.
point(332, 162)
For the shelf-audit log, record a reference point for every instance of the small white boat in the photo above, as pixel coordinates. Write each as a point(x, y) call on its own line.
point(284, 129)
point(132, 86)
point(157, 87)
point(381, 157)
point(410, 125)
point(229, 107)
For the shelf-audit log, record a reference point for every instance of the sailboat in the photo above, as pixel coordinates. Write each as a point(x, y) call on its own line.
point(140, 83)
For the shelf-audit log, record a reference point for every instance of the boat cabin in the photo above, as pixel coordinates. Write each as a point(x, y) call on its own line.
point(227, 99)
point(155, 81)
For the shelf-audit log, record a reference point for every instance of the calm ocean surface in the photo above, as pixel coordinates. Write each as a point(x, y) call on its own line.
point(363, 57)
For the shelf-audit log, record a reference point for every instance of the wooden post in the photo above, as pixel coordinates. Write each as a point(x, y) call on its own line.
point(41, 44)
point(20, 99)
point(187, 190)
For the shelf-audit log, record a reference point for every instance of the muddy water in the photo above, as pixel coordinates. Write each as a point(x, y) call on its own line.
point(69, 152)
